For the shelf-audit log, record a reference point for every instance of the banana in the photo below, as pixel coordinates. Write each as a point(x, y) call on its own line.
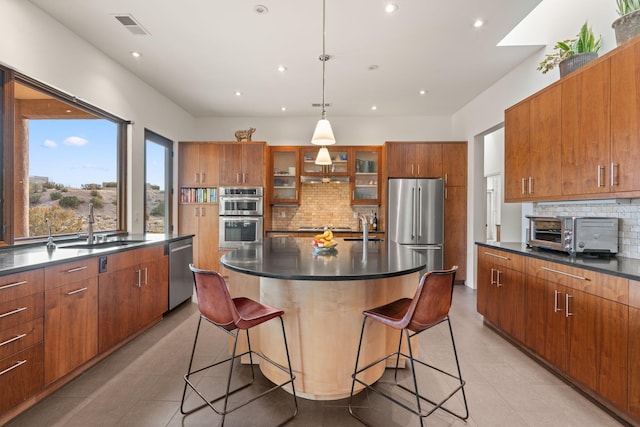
point(329, 234)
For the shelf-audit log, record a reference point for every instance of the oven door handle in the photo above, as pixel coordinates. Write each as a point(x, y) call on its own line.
point(241, 218)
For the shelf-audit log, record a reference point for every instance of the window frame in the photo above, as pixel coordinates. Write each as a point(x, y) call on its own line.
point(167, 144)
point(7, 187)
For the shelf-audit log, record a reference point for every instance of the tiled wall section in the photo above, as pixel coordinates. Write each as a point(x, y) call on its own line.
point(629, 214)
point(320, 205)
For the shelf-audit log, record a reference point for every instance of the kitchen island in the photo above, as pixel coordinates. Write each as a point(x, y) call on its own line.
point(323, 297)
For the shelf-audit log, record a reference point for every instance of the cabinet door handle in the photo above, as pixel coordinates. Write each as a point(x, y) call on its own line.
point(555, 301)
point(238, 178)
point(146, 276)
point(203, 176)
point(11, 368)
point(493, 282)
point(77, 291)
point(600, 180)
point(522, 191)
point(203, 211)
point(196, 177)
point(567, 313)
point(573, 276)
point(418, 169)
point(446, 178)
point(139, 284)
point(11, 285)
point(446, 194)
point(412, 169)
point(498, 284)
point(530, 185)
point(614, 174)
point(498, 256)
point(16, 311)
point(10, 340)
point(195, 211)
point(74, 270)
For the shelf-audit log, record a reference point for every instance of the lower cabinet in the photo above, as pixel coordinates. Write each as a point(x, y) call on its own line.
point(579, 321)
point(21, 376)
point(500, 296)
point(132, 294)
point(71, 317)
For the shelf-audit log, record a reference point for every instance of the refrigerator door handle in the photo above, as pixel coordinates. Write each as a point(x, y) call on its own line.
point(419, 213)
point(425, 247)
point(413, 212)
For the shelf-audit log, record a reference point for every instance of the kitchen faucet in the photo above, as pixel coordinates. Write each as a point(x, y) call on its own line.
point(365, 228)
point(90, 220)
point(50, 244)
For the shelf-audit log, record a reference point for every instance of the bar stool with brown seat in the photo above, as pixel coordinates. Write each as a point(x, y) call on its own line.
point(428, 308)
point(232, 315)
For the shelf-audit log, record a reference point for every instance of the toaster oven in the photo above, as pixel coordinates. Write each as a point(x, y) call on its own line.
point(572, 234)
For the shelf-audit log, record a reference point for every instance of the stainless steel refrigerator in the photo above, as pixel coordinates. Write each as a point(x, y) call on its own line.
point(416, 217)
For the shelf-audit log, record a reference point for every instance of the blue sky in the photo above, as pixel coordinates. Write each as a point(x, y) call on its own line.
point(76, 152)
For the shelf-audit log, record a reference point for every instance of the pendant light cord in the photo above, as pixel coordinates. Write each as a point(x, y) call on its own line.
point(323, 58)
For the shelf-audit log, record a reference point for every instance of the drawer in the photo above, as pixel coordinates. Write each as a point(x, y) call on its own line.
point(21, 310)
point(20, 285)
point(21, 376)
point(603, 285)
point(500, 258)
point(16, 339)
point(62, 274)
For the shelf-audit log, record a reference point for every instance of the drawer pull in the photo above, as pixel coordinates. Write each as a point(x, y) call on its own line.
point(564, 274)
point(73, 270)
point(9, 313)
point(498, 256)
point(76, 291)
point(10, 340)
point(11, 368)
point(11, 285)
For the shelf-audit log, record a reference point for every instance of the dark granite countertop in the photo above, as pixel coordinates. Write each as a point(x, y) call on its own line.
point(628, 268)
point(19, 258)
point(293, 258)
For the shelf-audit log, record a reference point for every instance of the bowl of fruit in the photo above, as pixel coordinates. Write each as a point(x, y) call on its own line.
point(324, 243)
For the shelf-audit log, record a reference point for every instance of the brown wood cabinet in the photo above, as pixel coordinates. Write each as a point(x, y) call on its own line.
point(365, 175)
point(284, 183)
point(454, 170)
point(198, 164)
point(586, 135)
point(625, 119)
point(578, 321)
point(132, 294)
point(201, 220)
point(634, 348)
point(242, 163)
point(21, 337)
point(414, 160)
point(500, 295)
point(71, 317)
point(532, 138)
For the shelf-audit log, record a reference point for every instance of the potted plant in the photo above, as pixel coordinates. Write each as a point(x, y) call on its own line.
point(572, 54)
point(628, 25)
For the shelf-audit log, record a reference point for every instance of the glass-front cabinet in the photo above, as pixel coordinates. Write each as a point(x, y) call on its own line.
point(284, 178)
point(366, 190)
point(339, 161)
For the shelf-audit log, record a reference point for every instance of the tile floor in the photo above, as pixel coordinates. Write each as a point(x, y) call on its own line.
point(141, 385)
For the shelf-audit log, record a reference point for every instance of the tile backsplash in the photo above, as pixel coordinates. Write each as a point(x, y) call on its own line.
point(627, 210)
point(320, 205)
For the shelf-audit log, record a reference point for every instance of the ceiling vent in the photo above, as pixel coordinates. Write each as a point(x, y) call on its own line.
point(130, 23)
point(319, 104)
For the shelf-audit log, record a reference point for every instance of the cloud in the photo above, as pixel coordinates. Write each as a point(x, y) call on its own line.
point(75, 141)
point(50, 143)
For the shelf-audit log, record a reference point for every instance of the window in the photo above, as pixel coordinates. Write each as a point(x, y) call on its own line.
point(66, 156)
point(158, 183)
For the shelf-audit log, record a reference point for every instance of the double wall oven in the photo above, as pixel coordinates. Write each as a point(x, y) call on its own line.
point(240, 215)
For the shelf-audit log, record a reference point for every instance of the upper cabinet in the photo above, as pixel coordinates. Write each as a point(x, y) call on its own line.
point(532, 137)
point(366, 176)
point(339, 162)
point(284, 184)
point(242, 163)
point(585, 127)
point(198, 164)
point(414, 160)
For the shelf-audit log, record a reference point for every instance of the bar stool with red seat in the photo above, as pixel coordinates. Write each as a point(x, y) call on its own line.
point(428, 308)
point(232, 315)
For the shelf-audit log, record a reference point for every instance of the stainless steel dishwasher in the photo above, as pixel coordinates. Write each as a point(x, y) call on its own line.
point(180, 277)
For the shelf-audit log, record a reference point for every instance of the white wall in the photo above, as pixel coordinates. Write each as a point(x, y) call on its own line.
point(34, 44)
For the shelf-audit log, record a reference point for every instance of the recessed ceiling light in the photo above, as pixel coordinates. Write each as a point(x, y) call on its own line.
point(260, 9)
point(238, 93)
point(135, 54)
point(391, 7)
point(373, 107)
point(282, 68)
point(422, 92)
point(478, 23)
point(283, 109)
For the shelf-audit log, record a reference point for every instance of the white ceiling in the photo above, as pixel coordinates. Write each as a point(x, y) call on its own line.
point(200, 52)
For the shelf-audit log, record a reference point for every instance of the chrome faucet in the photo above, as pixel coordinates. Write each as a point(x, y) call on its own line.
point(365, 228)
point(50, 244)
point(90, 221)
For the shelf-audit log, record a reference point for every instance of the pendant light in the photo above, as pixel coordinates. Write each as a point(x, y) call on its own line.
point(323, 157)
point(323, 134)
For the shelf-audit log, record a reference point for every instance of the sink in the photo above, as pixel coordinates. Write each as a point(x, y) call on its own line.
point(370, 239)
point(101, 245)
